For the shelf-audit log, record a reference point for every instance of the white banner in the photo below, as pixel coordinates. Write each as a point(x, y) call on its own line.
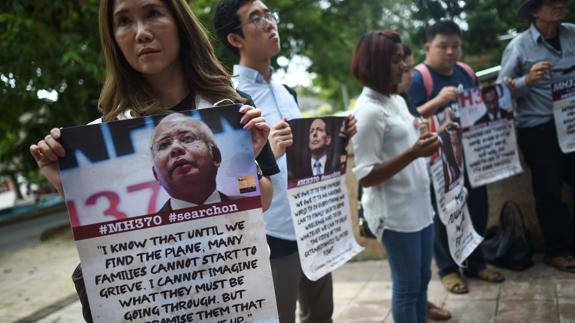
point(322, 221)
point(318, 195)
point(455, 216)
point(166, 214)
point(564, 113)
point(489, 139)
point(447, 176)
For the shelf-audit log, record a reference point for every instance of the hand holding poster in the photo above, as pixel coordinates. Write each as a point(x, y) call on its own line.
point(489, 141)
point(166, 216)
point(564, 113)
point(318, 195)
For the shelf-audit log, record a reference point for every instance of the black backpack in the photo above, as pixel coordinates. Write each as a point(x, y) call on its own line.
point(509, 244)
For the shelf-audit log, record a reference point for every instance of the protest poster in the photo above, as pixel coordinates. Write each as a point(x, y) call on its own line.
point(166, 215)
point(318, 195)
point(447, 176)
point(564, 113)
point(489, 140)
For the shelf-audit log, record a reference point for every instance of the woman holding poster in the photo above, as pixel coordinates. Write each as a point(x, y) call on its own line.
point(388, 151)
point(158, 59)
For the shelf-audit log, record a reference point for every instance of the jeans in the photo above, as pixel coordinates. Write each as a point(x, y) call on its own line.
point(550, 168)
point(409, 255)
point(478, 207)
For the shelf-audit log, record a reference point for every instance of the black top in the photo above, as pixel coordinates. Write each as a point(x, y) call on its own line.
point(266, 159)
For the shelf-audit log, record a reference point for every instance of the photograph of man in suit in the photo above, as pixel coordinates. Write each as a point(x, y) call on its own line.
point(186, 161)
point(491, 101)
point(319, 143)
point(450, 163)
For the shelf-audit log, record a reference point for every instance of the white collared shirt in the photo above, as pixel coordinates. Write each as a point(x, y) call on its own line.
point(180, 204)
point(275, 102)
point(385, 129)
point(322, 162)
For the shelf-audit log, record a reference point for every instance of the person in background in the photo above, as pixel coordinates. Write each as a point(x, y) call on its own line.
point(530, 64)
point(158, 59)
point(448, 76)
point(390, 168)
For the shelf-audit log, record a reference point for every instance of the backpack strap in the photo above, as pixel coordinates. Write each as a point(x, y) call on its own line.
point(427, 79)
point(292, 92)
point(468, 70)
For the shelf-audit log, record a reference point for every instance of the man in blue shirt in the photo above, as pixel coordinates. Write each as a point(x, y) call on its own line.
point(448, 78)
point(248, 28)
point(530, 64)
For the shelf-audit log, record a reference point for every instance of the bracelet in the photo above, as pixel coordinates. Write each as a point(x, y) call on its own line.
point(260, 173)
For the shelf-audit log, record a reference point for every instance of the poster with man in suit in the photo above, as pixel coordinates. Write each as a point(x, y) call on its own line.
point(317, 194)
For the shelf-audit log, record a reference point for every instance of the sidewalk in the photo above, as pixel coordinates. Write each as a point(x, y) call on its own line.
point(36, 287)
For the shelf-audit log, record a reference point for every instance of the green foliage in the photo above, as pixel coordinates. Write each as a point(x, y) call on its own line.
point(45, 45)
point(54, 45)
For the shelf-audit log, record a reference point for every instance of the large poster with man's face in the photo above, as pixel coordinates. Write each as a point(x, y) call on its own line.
point(489, 138)
point(166, 214)
point(447, 175)
point(318, 196)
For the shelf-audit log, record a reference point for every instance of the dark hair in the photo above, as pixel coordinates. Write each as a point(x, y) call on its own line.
point(488, 89)
point(371, 63)
point(406, 51)
point(442, 27)
point(227, 21)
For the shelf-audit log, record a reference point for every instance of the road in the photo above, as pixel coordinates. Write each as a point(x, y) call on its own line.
point(20, 235)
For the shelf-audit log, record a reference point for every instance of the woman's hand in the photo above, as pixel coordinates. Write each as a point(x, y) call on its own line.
point(281, 138)
point(46, 153)
point(427, 144)
point(350, 125)
point(253, 120)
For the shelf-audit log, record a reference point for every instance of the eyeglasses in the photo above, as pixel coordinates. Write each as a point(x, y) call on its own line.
point(183, 138)
point(258, 21)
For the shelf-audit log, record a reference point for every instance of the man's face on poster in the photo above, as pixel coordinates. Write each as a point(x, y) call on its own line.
point(456, 145)
point(491, 101)
point(182, 153)
point(319, 139)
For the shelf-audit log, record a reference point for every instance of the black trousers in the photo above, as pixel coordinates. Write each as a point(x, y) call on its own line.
point(550, 168)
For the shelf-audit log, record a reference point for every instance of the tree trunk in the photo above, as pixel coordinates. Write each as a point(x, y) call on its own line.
point(15, 186)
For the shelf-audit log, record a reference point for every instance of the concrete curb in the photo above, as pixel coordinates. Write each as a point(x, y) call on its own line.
point(36, 213)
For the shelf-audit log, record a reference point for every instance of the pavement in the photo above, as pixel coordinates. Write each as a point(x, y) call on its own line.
point(36, 287)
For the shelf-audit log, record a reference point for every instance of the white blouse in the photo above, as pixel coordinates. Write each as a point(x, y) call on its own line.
point(385, 129)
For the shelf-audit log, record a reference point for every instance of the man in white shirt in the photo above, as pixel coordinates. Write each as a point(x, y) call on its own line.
point(248, 28)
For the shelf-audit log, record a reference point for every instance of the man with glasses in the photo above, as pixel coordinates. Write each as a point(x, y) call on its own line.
point(436, 85)
point(249, 29)
point(530, 64)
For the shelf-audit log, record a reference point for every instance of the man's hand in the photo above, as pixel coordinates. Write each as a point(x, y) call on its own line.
point(253, 120)
point(510, 83)
point(537, 72)
point(46, 153)
point(446, 95)
point(281, 138)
